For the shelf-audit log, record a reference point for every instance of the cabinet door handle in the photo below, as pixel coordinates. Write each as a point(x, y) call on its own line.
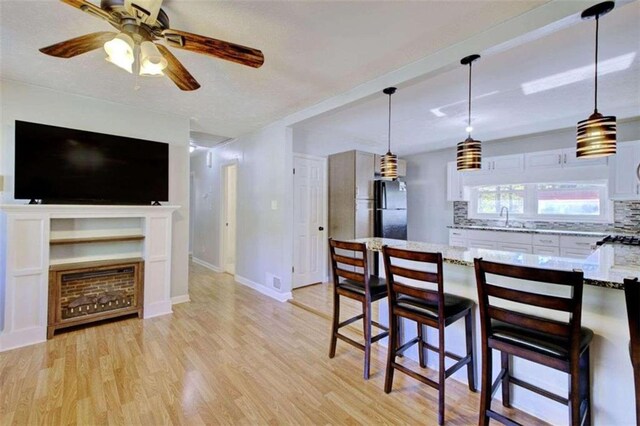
point(546, 241)
point(565, 159)
point(638, 171)
point(559, 158)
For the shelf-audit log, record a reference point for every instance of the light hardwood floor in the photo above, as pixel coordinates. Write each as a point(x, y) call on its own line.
point(230, 356)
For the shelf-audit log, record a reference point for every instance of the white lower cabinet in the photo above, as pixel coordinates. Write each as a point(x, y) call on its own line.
point(483, 244)
point(518, 248)
point(521, 242)
point(546, 250)
point(574, 252)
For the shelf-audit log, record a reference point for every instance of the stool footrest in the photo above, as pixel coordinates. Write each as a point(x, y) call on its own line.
point(497, 382)
point(350, 320)
point(350, 341)
point(380, 326)
point(437, 349)
point(417, 376)
point(458, 365)
point(538, 390)
point(379, 336)
point(407, 345)
point(502, 419)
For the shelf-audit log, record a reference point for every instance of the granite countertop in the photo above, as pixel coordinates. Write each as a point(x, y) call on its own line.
point(607, 266)
point(531, 230)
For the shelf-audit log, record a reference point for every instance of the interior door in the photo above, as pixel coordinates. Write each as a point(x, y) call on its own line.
point(310, 240)
point(229, 233)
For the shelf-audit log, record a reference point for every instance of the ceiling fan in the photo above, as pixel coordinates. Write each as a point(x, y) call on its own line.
point(140, 23)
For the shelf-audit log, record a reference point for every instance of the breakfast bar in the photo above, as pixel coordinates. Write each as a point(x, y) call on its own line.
point(603, 311)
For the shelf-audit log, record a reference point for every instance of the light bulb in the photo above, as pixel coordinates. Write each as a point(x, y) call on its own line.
point(469, 129)
point(151, 61)
point(120, 51)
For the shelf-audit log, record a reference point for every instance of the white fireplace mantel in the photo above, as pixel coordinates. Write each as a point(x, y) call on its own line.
point(26, 255)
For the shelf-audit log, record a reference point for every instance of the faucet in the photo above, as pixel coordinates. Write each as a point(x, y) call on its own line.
point(506, 222)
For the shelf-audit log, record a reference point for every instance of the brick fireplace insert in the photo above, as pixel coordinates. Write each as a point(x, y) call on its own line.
point(92, 291)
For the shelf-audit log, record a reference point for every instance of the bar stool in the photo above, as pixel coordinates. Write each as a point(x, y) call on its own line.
point(632, 297)
point(430, 307)
point(351, 279)
point(561, 345)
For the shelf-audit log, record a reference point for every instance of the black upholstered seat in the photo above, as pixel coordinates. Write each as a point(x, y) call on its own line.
point(452, 305)
point(377, 285)
point(544, 343)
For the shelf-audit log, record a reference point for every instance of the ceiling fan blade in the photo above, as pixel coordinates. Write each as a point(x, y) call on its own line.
point(79, 45)
point(90, 8)
point(177, 72)
point(218, 48)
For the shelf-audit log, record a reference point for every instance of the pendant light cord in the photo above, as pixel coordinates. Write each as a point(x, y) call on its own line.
point(469, 112)
point(595, 105)
point(389, 136)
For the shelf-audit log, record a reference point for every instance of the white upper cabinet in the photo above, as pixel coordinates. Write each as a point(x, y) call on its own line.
point(559, 158)
point(544, 159)
point(455, 190)
point(508, 163)
point(502, 163)
point(624, 172)
point(569, 159)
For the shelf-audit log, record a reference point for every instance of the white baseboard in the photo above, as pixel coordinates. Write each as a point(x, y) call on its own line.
point(24, 337)
point(280, 297)
point(157, 308)
point(180, 299)
point(207, 265)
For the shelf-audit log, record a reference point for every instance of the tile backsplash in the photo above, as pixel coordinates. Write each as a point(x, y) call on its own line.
point(626, 219)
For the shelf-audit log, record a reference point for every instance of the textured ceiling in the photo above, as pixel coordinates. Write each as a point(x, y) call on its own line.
point(500, 107)
point(313, 50)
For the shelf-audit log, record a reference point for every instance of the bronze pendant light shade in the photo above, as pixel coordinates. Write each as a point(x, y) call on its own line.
point(389, 161)
point(469, 153)
point(596, 136)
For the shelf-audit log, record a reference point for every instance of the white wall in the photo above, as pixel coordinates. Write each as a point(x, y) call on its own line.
point(429, 212)
point(30, 103)
point(264, 235)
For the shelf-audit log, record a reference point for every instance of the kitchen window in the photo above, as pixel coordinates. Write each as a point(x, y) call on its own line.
point(559, 201)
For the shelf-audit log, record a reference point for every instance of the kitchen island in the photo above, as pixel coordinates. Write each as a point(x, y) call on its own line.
point(603, 311)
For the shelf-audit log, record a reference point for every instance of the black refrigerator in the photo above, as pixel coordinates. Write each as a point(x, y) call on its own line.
point(390, 203)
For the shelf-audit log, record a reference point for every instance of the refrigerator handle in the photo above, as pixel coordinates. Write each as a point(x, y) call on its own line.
point(384, 194)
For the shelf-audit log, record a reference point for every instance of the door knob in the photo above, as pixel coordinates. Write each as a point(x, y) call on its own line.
point(320, 228)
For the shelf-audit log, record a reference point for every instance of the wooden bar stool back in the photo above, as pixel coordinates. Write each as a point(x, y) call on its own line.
point(427, 305)
point(632, 297)
point(351, 279)
point(507, 327)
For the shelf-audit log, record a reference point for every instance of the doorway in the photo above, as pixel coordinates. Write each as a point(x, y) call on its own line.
point(310, 212)
point(229, 200)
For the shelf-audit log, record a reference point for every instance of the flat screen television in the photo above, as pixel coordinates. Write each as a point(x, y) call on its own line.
point(69, 166)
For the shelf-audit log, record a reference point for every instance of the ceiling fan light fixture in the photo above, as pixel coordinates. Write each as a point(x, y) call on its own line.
point(596, 136)
point(120, 51)
point(151, 60)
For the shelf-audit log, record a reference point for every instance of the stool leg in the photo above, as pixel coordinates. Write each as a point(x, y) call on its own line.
point(506, 394)
point(471, 367)
point(366, 320)
point(585, 385)
point(391, 352)
point(574, 392)
point(441, 375)
point(421, 348)
point(334, 326)
point(485, 391)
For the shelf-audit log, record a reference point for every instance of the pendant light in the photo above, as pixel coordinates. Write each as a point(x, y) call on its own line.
point(469, 155)
point(596, 135)
point(389, 161)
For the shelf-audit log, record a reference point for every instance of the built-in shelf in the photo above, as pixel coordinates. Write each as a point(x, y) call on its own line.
point(95, 239)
